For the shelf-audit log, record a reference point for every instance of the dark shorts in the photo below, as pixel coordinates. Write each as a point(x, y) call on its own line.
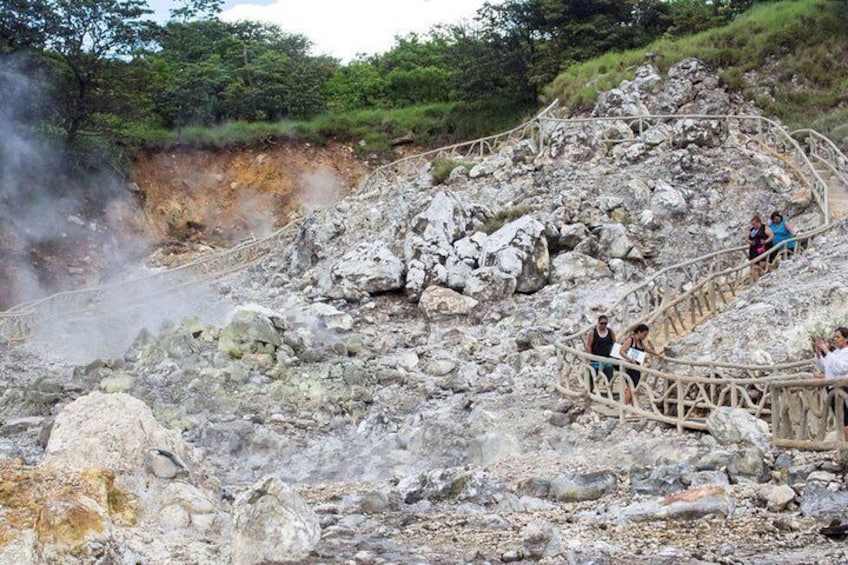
point(752, 252)
point(635, 375)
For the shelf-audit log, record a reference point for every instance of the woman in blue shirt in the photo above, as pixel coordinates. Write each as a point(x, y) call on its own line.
point(782, 232)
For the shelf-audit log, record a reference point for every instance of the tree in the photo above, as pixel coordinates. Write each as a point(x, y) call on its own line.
point(218, 71)
point(89, 41)
point(23, 24)
point(196, 9)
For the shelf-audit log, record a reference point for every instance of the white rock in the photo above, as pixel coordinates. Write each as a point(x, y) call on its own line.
point(272, 524)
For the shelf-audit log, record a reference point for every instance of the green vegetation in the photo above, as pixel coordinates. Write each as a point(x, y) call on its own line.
point(769, 54)
point(108, 81)
point(441, 168)
point(505, 216)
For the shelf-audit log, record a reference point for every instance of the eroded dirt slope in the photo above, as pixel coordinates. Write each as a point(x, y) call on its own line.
point(222, 197)
point(174, 206)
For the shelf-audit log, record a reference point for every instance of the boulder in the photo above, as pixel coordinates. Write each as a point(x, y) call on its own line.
point(818, 501)
point(249, 331)
point(370, 267)
point(541, 541)
point(271, 523)
point(734, 425)
point(519, 249)
point(667, 202)
point(489, 284)
point(691, 504)
point(588, 486)
point(107, 431)
point(614, 242)
point(573, 267)
point(438, 302)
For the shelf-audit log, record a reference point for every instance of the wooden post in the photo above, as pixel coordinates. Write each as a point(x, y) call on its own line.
point(776, 429)
point(680, 406)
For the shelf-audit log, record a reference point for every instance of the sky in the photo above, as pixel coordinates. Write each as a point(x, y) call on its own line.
point(345, 28)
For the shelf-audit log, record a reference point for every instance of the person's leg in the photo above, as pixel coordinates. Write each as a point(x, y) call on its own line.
point(631, 387)
point(592, 373)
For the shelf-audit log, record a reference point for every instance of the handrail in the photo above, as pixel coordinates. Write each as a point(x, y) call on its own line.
point(809, 413)
point(479, 146)
point(826, 152)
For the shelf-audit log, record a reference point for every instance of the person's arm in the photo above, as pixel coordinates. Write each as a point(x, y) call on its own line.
point(649, 347)
point(625, 347)
point(612, 334)
point(590, 341)
point(789, 227)
point(769, 236)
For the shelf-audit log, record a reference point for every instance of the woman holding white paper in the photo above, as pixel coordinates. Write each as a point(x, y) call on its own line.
point(632, 351)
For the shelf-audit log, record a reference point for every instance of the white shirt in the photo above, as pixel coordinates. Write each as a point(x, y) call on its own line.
point(834, 364)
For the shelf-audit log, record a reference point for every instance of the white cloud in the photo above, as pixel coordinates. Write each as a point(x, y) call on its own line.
point(345, 28)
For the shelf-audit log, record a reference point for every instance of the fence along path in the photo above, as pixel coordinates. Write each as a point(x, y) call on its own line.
point(682, 392)
point(19, 322)
point(674, 300)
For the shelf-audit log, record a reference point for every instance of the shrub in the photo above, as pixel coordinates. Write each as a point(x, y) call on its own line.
point(733, 79)
point(441, 168)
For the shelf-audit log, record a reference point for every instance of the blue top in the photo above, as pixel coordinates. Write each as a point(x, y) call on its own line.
point(781, 233)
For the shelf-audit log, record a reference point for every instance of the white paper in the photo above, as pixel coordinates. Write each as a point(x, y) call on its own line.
point(635, 354)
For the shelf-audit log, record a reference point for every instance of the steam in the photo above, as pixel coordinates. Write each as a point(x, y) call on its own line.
point(108, 331)
point(257, 213)
point(319, 189)
point(56, 229)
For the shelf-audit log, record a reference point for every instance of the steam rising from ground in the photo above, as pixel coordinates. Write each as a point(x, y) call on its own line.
point(256, 209)
point(59, 229)
point(108, 332)
point(319, 189)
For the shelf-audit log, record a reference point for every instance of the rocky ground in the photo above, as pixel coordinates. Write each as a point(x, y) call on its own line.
point(394, 362)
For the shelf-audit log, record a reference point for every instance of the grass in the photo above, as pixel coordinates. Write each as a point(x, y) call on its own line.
point(505, 216)
point(441, 168)
point(811, 67)
point(374, 130)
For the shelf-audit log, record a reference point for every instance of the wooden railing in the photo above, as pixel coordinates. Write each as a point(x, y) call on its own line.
point(677, 391)
point(412, 166)
point(809, 413)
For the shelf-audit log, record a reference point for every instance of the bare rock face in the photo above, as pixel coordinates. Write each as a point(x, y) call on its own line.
point(272, 524)
point(521, 250)
point(437, 302)
point(145, 478)
point(369, 267)
point(733, 425)
point(107, 431)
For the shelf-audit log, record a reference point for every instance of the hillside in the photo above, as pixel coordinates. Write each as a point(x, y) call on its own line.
point(394, 360)
point(789, 58)
point(383, 384)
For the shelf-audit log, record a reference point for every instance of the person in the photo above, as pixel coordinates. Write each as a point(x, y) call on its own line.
point(759, 239)
point(832, 364)
point(600, 342)
point(781, 231)
point(635, 342)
